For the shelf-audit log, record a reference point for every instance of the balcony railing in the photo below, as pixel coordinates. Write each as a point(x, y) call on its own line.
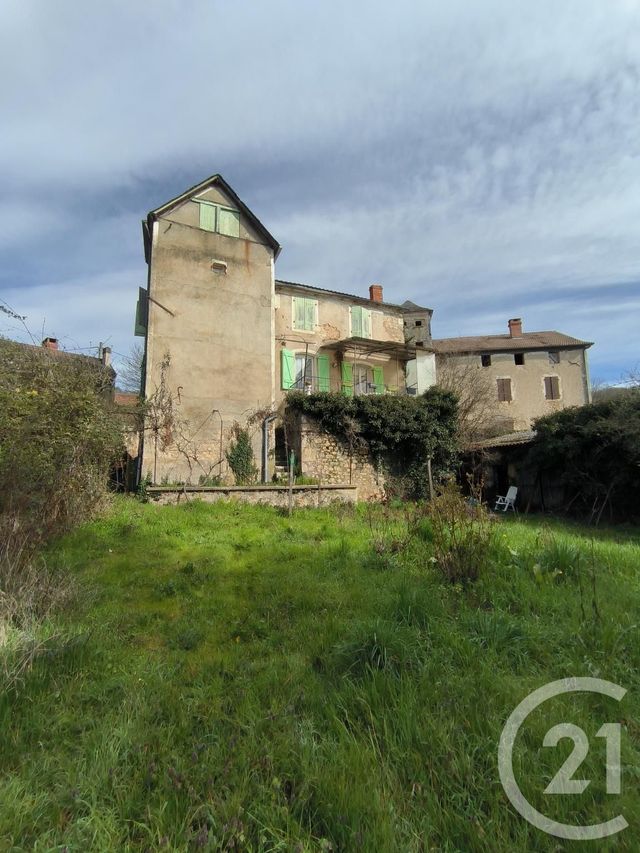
point(310, 385)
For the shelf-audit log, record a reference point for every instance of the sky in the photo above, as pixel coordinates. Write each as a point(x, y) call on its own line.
point(480, 158)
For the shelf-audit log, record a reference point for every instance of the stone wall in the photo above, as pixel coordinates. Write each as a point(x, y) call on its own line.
point(330, 460)
point(301, 496)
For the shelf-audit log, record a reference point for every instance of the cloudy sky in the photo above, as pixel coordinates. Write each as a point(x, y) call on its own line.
point(481, 157)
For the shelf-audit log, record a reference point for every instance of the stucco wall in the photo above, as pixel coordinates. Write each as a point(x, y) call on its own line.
point(527, 383)
point(217, 328)
point(333, 324)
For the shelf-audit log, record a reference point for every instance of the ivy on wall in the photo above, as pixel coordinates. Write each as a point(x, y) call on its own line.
point(400, 432)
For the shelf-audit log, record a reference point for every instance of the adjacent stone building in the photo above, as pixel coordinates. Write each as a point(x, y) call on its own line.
point(527, 374)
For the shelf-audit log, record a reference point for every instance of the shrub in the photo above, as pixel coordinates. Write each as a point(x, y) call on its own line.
point(59, 437)
point(401, 432)
point(595, 451)
point(462, 535)
point(240, 457)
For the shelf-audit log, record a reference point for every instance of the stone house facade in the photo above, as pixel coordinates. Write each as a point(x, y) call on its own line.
point(225, 340)
point(528, 374)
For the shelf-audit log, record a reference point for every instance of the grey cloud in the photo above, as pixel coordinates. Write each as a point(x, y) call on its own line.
point(467, 154)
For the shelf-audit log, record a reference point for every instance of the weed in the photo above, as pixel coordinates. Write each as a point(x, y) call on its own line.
point(462, 536)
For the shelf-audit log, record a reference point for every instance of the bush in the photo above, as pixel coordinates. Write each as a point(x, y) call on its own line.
point(595, 452)
point(58, 440)
point(59, 437)
point(401, 432)
point(462, 535)
point(240, 457)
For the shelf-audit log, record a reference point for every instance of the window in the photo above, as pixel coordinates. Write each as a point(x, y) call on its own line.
point(518, 357)
point(485, 360)
point(551, 388)
point(554, 356)
point(305, 312)
point(360, 322)
point(304, 372)
point(362, 379)
point(418, 322)
point(222, 220)
point(504, 390)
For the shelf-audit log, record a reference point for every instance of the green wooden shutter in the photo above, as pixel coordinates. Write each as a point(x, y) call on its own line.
point(378, 379)
point(322, 362)
point(207, 217)
point(356, 321)
point(366, 323)
point(288, 368)
point(310, 314)
point(229, 222)
point(347, 378)
point(298, 312)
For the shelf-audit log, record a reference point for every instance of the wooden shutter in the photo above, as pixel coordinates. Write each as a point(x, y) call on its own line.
point(207, 217)
point(310, 314)
point(298, 310)
point(288, 368)
point(228, 222)
point(504, 390)
point(347, 378)
point(356, 321)
point(378, 380)
point(552, 388)
point(142, 313)
point(366, 323)
point(323, 367)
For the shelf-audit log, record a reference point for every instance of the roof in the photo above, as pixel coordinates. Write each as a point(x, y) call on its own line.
point(126, 398)
point(352, 296)
point(410, 306)
point(371, 346)
point(62, 353)
point(507, 440)
point(218, 181)
point(506, 343)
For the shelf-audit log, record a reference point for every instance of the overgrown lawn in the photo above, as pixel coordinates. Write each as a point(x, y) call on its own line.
point(239, 680)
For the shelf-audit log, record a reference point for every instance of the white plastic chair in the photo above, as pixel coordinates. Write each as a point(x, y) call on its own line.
point(508, 501)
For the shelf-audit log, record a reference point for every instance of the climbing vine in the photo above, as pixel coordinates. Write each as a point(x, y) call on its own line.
point(400, 432)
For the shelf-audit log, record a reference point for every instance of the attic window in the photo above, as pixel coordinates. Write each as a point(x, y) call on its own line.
point(219, 219)
point(418, 322)
point(554, 356)
point(485, 360)
point(518, 357)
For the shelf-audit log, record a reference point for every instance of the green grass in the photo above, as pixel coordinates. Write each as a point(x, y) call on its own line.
point(249, 681)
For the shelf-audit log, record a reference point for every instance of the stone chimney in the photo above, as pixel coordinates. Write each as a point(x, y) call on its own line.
point(106, 356)
point(375, 292)
point(50, 343)
point(515, 327)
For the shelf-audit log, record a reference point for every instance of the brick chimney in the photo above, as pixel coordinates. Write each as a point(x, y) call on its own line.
point(106, 356)
point(375, 292)
point(515, 327)
point(50, 343)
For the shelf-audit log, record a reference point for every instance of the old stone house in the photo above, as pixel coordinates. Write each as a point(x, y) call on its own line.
point(526, 374)
point(225, 340)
